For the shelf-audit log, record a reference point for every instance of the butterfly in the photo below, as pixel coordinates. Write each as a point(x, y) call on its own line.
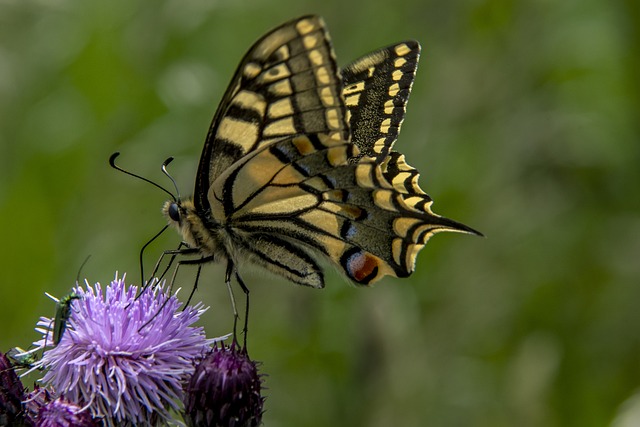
point(298, 165)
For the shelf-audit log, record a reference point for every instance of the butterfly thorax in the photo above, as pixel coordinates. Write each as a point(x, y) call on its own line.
point(208, 238)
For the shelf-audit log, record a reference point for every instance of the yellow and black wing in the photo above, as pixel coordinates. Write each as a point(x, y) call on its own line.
point(376, 90)
point(303, 195)
point(286, 84)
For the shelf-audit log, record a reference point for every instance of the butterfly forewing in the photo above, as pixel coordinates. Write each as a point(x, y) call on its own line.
point(285, 85)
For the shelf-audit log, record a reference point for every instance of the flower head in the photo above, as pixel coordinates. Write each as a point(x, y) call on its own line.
point(225, 390)
point(37, 399)
point(62, 413)
point(124, 357)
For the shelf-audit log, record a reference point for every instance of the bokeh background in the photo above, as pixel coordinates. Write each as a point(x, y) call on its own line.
point(524, 122)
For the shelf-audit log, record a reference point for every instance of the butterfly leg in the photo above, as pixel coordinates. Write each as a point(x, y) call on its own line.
point(197, 262)
point(180, 250)
point(195, 285)
point(182, 262)
point(231, 270)
point(246, 308)
point(227, 281)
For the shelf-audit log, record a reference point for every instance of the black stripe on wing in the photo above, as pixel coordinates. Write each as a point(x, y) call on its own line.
point(286, 84)
point(281, 256)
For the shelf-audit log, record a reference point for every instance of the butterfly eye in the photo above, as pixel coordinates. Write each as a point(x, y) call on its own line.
point(174, 212)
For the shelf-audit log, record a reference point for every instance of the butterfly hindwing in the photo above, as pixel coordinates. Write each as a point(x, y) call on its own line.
point(376, 90)
point(286, 84)
point(315, 198)
point(282, 257)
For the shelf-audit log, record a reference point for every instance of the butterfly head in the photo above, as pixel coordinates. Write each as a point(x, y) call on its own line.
point(172, 211)
point(181, 214)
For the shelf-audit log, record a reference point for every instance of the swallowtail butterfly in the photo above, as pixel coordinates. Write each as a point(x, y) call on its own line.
point(298, 164)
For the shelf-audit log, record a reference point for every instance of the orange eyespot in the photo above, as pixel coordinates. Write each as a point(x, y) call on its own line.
point(360, 266)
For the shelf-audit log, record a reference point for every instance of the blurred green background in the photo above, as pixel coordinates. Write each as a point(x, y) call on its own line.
point(524, 122)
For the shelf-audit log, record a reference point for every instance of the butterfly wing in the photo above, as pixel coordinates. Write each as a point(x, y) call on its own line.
point(376, 90)
point(286, 84)
point(303, 195)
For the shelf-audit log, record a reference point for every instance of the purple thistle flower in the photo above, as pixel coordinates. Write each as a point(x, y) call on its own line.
point(124, 359)
point(62, 413)
point(37, 399)
point(225, 390)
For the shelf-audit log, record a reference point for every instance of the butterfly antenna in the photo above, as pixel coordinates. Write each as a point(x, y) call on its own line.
point(112, 162)
point(164, 170)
